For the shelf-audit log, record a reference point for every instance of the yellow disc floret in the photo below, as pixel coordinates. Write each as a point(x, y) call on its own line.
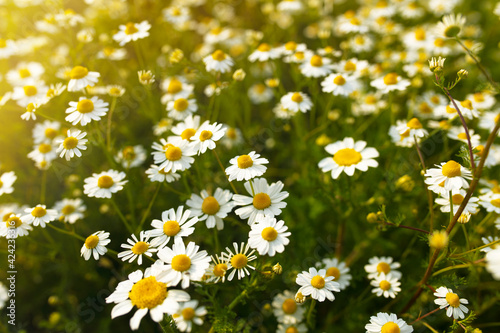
point(78, 72)
point(390, 327)
point(105, 181)
point(91, 241)
point(171, 228)
point(333, 271)
point(269, 234)
point(85, 106)
point(383, 267)
point(239, 260)
point(261, 201)
point(318, 282)
point(39, 211)
point(140, 248)
point(453, 300)
point(451, 169)
point(181, 263)
point(289, 306)
point(210, 206)
point(244, 162)
point(347, 157)
point(173, 153)
point(70, 142)
point(391, 79)
point(148, 293)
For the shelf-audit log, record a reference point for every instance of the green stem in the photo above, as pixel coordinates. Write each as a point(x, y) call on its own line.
point(476, 249)
point(122, 217)
point(451, 206)
point(71, 233)
point(44, 187)
point(450, 268)
point(309, 317)
point(478, 63)
point(108, 131)
point(148, 210)
point(216, 239)
point(224, 171)
point(466, 235)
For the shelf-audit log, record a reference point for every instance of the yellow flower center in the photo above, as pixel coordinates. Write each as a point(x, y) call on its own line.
point(318, 282)
point(420, 34)
point(239, 260)
point(105, 181)
point(181, 263)
point(173, 153)
point(347, 157)
point(292, 329)
point(289, 306)
point(85, 106)
point(50, 133)
point(390, 79)
point(188, 314)
point(44, 148)
point(333, 271)
point(24, 73)
point(244, 162)
point(439, 42)
point(466, 104)
point(390, 327)
point(140, 248)
point(39, 212)
point(231, 133)
point(480, 150)
point(497, 118)
point(220, 270)
point(210, 206)
point(360, 40)
point(3, 43)
point(299, 55)
point(355, 21)
point(91, 241)
point(17, 222)
point(269, 234)
point(462, 136)
point(205, 135)
point(297, 97)
point(264, 47)
point(68, 209)
point(290, 46)
point(424, 108)
point(478, 97)
point(349, 66)
point(385, 285)
point(171, 228)
point(174, 86)
point(316, 61)
point(457, 199)
point(414, 123)
point(339, 80)
point(130, 28)
point(70, 142)
point(383, 267)
point(188, 133)
point(261, 201)
point(181, 104)
point(453, 300)
point(370, 99)
point(30, 90)
point(128, 153)
point(218, 55)
point(495, 202)
point(451, 169)
point(78, 72)
point(148, 293)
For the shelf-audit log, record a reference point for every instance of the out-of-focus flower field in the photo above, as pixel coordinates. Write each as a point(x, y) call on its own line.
point(249, 166)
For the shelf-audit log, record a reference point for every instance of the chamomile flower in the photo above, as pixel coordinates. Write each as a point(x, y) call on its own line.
point(451, 26)
point(296, 101)
point(131, 156)
point(218, 61)
point(413, 128)
point(239, 260)
point(292, 47)
point(157, 174)
point(175, 88)
point(447, 299)
point(206, 136)
point(95, 245)
point(401, 139)
point(86, 110)
point(173, 224)
point(39, 215)
point(217, 270)
point(7, 179)
point(70, 210)
point(348, 156)
point(147, 292)
point(174, 155)
point(489, 120)
point(317, 284)
point(264, 52)
point(246, 167)
point(184, 263)
point(316, 66)
point(386, 265)
point(181, 108)
point(44, 152)
point(46, 132)
point(386, 285)
point(212, 208)
point(337, 269)
point(137, 248)
point(72, 144)
point(340, 84)
point(368, 104)
point(189, 313)
point(458, 133)
point(102, 185)
point(493, 263)
point(186, 129)
point(286, 328)
point(33, 92)
point(481, 100)
point(24, 73)
point(132, 32)
point(491, 202)
point(265, 200)
point(12, 226)
point(465, 107)
point(259, 93)
point(451, 173)
point(80, 77)
point(390, 82)
point(286, 310)
point(387, 323)
point(268, 236)
point(232, 138)
point(457, 197)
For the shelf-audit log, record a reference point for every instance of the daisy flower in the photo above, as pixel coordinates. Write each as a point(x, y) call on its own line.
point(184, 263)
point(340, 84)
point(239, 260)
point(147, 292)
point(246, 167)
point(294, 328)
point(451, 173)
point(218, 61)
point(136, 248)
point(377, 266)
point(7, 179)
point(348, 156)
point(206, 136)
point(95, 245)
point(70, 210)
point(46, 131)
point(212, 208)
point(102, 185)
point(317, 284)
point(447, 299)
point(217, 270)
point(172, 225)
point(259, 93)
point(180, 108)
point(465, 107)
point(13, 226)
point(390, 82)
point(385, 285)
point(493, 263)
point(186, 129)
point(401, 139)
point(24, 73)
point(264, 52)
point(413, 128)
point(489, 120)
point(39, 215)
point(316, 66)
point(174, 155)
point(157, 174)
point(32, 93)
point(189, 313)
point(232, 138)
point(175, 88)
point(292, 47)
point(451, 26)
point(296, 101)
point(86, 110)
point(337, 269)
point(286, 310)
point(265, 200)
point(458, 133)
point(132, 32)
point(44, 152)
point(457, 196)
point(80, 77)
point(491, 202)
point(269, 236)
point(72, 144)
point(387, 323)
point(290, 6)
point(131, 156)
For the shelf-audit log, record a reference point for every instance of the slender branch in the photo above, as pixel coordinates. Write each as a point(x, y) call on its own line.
point(450, 268)
point(430, 201)
point(406, 227)
point(478, 63)
point(425, 315)
point(477, 248)
point(148, 210)
point(108, 130)
point(224, 171)
point(119, 212)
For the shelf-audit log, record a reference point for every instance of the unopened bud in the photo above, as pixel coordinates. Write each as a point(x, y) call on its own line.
point(372, 218)
point(436, 65)
point(463, 73)
point(299, 298)
point(239, 75)
point(438, 240)
point(464, 218)
point(277, 269)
